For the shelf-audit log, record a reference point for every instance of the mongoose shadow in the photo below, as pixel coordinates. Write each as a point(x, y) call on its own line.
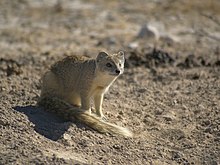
point(45, 123)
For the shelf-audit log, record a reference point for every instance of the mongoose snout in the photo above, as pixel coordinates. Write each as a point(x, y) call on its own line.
point(117, 71)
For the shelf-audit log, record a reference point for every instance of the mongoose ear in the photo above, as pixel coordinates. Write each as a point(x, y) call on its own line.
point(121, 55)
point(101, 56)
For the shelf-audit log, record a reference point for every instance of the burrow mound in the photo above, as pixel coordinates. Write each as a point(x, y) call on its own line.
point(151, 58)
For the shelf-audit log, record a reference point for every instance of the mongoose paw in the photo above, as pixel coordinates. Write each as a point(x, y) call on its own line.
point(93, 110)
point(104, 118)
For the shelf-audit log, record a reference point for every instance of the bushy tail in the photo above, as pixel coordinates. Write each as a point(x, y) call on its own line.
point(102, 126)
point(69, 112)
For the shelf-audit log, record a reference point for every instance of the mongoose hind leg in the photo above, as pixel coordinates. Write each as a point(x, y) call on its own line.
point(75, 100)
point(50, 85)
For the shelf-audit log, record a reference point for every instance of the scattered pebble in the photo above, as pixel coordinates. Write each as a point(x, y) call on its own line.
point(149, 32)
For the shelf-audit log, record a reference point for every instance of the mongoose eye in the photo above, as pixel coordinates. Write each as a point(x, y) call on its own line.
point(109, 65)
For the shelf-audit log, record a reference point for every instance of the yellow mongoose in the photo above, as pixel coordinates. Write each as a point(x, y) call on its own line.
point(72, 83)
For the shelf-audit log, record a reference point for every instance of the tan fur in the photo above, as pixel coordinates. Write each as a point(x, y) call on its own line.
point(70, 85)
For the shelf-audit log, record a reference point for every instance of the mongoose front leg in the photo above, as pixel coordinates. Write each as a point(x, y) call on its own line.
point(85, 101)
point(98, 99)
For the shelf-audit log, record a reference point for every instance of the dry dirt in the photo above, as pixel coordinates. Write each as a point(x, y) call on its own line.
point(169, 95)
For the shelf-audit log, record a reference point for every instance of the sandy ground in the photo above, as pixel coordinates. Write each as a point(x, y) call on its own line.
point(169, 95)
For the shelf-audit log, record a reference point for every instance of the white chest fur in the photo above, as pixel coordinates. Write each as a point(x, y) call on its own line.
point(103, 81)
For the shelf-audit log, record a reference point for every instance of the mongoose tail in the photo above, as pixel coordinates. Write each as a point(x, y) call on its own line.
point(72, 113)
point(102, 126)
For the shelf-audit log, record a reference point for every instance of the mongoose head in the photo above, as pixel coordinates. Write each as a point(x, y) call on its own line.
point(111, 64)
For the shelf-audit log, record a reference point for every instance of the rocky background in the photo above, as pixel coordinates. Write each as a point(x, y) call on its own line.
point(169, 95)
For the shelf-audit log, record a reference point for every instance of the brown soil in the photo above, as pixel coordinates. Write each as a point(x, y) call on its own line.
point(169, 95)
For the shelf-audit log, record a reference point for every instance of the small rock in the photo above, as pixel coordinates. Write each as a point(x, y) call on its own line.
point(159, 111)
point(116, 146)
point(121, 113)
point(66, 137)
point(142, 90)
point(2, 88)
point(145, 157)
point(175, 102)
point(148, 32)
point(133, 45)
point(176, 155)
point(208, 130)
point(170, 116)
point(2, 122)
point(206, 123)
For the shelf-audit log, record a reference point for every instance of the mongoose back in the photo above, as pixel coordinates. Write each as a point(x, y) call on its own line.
point(70, 85)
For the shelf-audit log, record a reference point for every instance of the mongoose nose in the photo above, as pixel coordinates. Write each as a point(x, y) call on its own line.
point(117, 71)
